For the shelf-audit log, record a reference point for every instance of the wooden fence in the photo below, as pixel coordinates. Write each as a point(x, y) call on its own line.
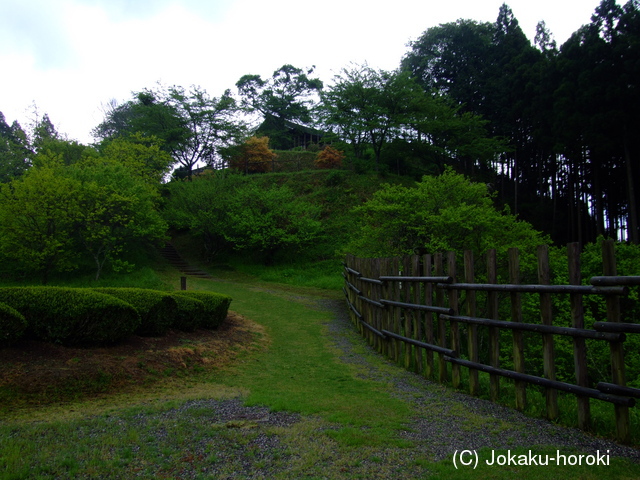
point(415, 311)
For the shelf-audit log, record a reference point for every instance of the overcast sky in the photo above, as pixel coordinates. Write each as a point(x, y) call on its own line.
point(69, 57)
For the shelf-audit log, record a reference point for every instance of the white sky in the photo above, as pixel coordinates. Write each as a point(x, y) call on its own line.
point(69, 57)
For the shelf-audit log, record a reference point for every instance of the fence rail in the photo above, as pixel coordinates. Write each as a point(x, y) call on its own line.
point(410, 310)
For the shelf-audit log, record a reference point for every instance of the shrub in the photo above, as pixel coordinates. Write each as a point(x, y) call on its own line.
point(255, 156)
point(216, 307)
point(72, 316)
point(329, 157)
point(157, 309)
point(12, 324)
point(190, 314)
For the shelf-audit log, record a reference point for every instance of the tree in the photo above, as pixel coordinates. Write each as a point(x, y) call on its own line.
point(371, 107)
point(269, 221)
point(147, 115)
point(231, 211)
point(192, 125)
point(212, 125)
point(287, 96)
point(443, 213)
point(142, 155)
point(37, 214)
point(116, 209)
point(15, 152)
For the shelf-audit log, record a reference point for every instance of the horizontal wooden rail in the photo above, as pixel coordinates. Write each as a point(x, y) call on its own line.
point(415, 306)
point(620, 327)
point(371, 280)
point(490, 287)
point(545, 382)
point(372, 329)
point(534, 327)
point(370, 302)
point(614, 280)
point(428, 346)
point(397, 278)
point(618, 390)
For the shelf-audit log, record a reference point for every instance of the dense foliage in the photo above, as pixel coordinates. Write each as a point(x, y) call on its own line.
point(444, 213)
point(157, 309)
point(216, 306)
point(12, 324)
point(72, 316)
point(231, 212)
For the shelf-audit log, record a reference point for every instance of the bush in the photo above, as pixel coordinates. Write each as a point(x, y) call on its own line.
point(12, 324)
point(329, 157)
point(72, 316)
point(190, 314)
point(216, 307)
point(157, 309)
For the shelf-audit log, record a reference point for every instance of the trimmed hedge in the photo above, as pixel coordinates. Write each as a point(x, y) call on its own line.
point(157, 309)
point(12, 324)
point(72, 316)
point(191, 313)
point(216, 307)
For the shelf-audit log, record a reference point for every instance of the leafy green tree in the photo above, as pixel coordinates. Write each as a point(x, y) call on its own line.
point(37, 215)
point(369, 107)
point(212, 124)
point(15, 151)
point(142, 155)
point(269, 221)
point(443, 213)
point(147, 115)
point(192, 125)
point(201, 206)
point(288, 96)
point(116, 208)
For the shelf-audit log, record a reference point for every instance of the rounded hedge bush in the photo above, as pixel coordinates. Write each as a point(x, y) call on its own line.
point(157, 309)
point(72, 316)
point(216, 306)
point(12, 324)
point(190, 315)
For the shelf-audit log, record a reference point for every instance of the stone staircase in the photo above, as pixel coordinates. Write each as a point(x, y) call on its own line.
point(173, 257)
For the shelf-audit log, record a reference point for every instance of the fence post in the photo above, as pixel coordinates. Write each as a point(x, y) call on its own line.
point(417, 323)
point(397, 344)
point(408, 314)
point(617, 351)
point(387, 311)
point(454, 327)
point(579, 344)
point(494, 332)
point(516, 316)
point(472, 330)
point(183, 283)
point(546, 315)
point(377, 295)
point(442, 332)
point(428, 321)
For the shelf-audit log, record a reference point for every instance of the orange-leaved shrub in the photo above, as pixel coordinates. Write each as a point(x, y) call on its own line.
point(329, 157)
point(254, 156)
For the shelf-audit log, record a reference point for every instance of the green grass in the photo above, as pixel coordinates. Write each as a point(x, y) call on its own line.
point(349, 427)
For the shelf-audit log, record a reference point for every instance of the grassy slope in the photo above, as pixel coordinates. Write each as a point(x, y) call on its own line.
point(336, 192)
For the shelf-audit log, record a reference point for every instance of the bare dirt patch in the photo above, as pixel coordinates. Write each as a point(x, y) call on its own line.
point(38, 373)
